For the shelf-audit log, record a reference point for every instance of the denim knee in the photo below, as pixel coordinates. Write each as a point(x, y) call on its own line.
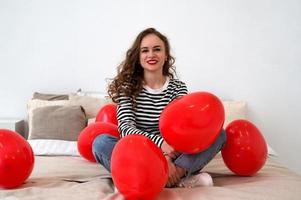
point(102, 148)
point(104, 144)
point(99, 143)
point(195, 162)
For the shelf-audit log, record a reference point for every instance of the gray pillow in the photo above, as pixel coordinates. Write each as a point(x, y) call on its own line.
point(57, 122)
point(50, 97)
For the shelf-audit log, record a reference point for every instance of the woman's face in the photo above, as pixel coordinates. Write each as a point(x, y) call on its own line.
point(152, 53)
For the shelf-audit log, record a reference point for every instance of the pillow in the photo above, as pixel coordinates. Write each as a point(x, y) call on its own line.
point(271, 151)
point(81, 92)
point(91, 104)
point(50, 97)
point(42, 147)
point(56, 122)
point(37, 103)
point(234, 110)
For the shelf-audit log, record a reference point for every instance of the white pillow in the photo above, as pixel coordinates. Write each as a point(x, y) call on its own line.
point(238, 110)
point(234, 110)
point(271, 151)
point(42, 147)
point(81, 92)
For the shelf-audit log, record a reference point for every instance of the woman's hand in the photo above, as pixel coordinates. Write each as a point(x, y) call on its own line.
point(174, 176)
point(167, 149)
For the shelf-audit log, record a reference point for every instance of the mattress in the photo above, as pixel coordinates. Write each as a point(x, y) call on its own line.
point(72, 177)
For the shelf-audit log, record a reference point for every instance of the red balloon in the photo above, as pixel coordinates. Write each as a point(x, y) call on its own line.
point(190, 124)
point(107, 113)
point(16, 159)
point(88, 134)
point(139, 169)
point(245, 151)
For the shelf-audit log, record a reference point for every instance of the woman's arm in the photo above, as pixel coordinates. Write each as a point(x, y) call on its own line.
point(180, 90)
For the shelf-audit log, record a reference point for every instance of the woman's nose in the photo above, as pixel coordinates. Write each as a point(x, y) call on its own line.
point(151, 53)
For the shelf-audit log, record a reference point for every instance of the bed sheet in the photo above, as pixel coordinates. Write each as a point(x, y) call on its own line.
point(72, 177)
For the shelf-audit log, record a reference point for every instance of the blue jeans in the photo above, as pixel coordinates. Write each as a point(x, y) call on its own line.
point(103, 145)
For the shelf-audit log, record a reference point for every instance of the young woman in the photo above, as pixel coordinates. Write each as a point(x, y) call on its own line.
point(144, 85)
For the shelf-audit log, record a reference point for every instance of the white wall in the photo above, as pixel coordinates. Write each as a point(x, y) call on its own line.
point(239, 50)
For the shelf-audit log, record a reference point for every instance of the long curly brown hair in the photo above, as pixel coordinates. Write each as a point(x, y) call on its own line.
point(129, 79)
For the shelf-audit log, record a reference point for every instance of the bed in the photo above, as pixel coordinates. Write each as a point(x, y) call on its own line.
point(72, 177)
point(60, 173)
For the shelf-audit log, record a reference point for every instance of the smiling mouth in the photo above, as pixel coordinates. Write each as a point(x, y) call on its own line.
point(152, 62)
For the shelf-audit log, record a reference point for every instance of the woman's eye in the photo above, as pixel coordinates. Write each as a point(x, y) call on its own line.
point(144, 50)
point(157, 49)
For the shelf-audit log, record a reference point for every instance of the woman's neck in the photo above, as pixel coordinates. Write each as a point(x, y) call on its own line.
point(154, 81)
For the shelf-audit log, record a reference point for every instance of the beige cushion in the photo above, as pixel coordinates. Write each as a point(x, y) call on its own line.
point(91, 104)
point(57, 122)
point(234, 110)
point(37, 103)
point(50, 97)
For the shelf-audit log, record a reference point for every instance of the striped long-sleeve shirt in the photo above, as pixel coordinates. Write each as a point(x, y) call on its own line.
point(144, 119)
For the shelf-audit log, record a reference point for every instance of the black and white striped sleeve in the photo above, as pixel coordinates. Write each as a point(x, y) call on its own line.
point(179, 90)
point(182, 89)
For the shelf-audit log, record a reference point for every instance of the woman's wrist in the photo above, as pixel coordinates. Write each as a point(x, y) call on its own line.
point(166, 156)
